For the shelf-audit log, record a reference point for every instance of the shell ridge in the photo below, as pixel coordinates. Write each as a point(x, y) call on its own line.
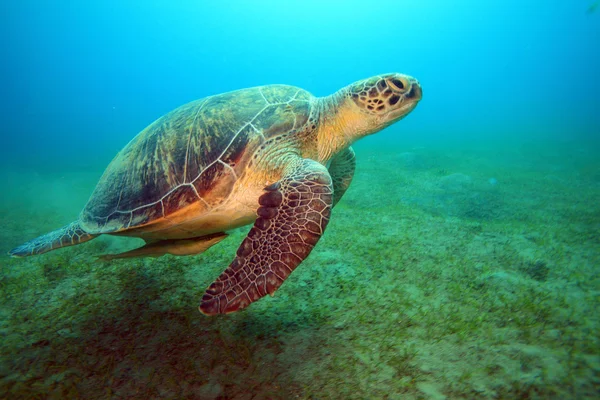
point(187, 150)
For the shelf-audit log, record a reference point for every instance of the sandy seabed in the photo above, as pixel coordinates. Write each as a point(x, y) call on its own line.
point(446, 272)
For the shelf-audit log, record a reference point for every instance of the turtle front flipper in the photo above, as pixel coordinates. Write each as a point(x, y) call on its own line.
point(69, 235)
point(342, 171)
point(292, 216)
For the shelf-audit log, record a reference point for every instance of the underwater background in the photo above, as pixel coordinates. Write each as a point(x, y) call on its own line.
point(463, 262)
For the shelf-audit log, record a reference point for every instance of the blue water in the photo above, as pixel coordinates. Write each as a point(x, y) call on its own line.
point(80, 79)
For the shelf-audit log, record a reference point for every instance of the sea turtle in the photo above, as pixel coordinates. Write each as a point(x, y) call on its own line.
point(274, 155)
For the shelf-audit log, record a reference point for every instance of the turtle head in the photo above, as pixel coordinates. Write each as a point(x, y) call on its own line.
point(365, 107)
point(383, 100)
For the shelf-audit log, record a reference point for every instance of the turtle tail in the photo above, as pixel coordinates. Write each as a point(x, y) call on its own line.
point(66, 236)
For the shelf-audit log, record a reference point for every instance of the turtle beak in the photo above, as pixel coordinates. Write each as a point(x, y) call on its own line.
point(415, 93)
point(410, 101)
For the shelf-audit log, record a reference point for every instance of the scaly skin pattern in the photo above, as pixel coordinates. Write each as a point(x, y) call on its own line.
point(69, 235)
point(292, 216)
point(342, 171)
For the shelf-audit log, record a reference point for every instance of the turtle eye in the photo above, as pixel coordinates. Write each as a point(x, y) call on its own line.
point(398, 84)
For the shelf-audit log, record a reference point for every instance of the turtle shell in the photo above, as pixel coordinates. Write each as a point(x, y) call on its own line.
point(193, 154)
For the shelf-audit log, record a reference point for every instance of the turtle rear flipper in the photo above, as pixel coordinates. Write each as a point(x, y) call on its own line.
point(69, 235)
point(292, 216)
point(176, 247)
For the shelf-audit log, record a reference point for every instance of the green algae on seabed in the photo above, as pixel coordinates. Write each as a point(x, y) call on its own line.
point(431, 282)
